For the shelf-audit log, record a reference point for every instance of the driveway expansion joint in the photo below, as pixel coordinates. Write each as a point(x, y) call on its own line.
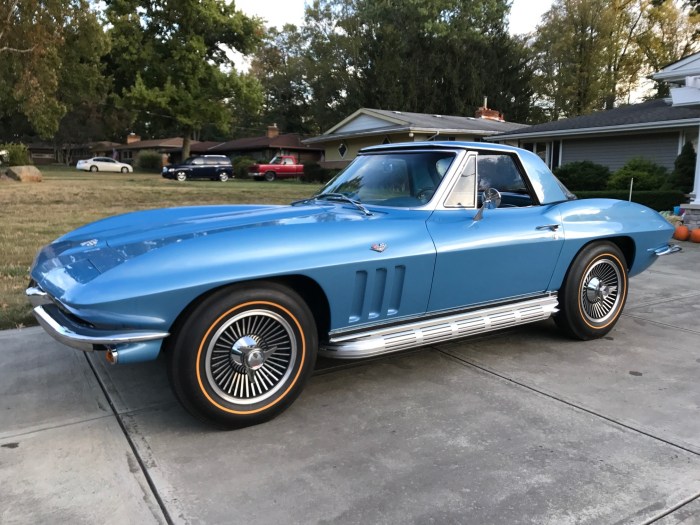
point(132, 445)
point(684, 447)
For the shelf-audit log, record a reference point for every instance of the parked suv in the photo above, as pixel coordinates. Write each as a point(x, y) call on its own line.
point(203, 167)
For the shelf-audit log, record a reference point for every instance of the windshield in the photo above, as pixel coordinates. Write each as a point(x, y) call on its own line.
point(276, 160)
point(400, 179)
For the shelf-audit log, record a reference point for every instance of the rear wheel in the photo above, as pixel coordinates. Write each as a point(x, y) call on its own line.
point(223, 176)
point(270, 176)
point(594, 292)
point(93, 168)
point(125, 169)
point(243, 355)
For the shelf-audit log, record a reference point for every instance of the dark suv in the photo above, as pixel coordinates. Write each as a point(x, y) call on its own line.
point(203, 167)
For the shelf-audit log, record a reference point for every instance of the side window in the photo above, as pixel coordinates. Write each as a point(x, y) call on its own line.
point(499, 171)
point(463, 194)
point(198, 161)
point(287, 161)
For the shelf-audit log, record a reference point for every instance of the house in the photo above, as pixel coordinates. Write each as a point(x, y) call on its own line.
point(265, 147)
point(171, 148)
point(684, 78)
point(656, 130)
point(369, 127)
point(43, 153)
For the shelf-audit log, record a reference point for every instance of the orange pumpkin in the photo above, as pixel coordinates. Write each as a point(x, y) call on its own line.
point(695, 235)
point(682, 233)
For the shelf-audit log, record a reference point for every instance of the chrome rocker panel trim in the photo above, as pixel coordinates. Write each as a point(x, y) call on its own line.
point(667, 249)
point(66, 331)
point(436, 330)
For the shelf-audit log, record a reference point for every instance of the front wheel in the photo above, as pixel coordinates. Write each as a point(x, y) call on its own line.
point(270, 176)
point(243, 354)
point(125, 170)
point(181, 176)
point(594, 292)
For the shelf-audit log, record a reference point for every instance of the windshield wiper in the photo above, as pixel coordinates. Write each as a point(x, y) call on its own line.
point(335, 197)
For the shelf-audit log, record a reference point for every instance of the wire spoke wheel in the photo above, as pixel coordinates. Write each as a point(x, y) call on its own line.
point(600, 291)
point(250, 356)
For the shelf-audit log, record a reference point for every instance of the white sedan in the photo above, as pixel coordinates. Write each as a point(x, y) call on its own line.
point(103, 164)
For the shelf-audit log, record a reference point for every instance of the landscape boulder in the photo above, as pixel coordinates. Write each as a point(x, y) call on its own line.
point(24, 173)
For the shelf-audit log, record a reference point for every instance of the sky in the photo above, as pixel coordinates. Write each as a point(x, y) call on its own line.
point(524, 14)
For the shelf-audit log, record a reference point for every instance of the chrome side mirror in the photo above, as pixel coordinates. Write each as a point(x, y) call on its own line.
point(491, 200)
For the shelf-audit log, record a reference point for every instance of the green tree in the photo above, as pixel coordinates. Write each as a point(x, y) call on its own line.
point(667, 35)
point(50, 63)
point(279, 65)
point(427, 56)
point(171, 62)
point(683, 176)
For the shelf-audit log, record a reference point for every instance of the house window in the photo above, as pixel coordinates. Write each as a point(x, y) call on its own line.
point(342, 149)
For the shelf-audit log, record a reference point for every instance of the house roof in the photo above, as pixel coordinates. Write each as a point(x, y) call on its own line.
point(171, 143)
point(204, 146)
point(677, 71)
point(284, 141)
point(654, 114)
point(367, 121)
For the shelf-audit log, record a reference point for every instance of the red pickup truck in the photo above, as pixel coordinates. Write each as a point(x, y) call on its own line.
point(281, 166)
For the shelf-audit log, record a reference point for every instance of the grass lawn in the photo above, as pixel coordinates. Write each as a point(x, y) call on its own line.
point(32, 215)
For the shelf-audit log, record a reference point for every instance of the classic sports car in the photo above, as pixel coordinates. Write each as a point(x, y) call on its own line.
point(410, 245)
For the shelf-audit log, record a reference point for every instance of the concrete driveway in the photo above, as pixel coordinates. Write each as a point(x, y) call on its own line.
point(519, 427)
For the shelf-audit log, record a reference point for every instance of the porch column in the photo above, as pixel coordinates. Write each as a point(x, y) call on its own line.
point(695, 194)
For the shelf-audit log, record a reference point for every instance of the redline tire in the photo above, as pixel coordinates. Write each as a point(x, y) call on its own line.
point(594, 292)
point(243, 355)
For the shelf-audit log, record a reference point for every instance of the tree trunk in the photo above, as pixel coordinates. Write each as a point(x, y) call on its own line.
point(186, 145)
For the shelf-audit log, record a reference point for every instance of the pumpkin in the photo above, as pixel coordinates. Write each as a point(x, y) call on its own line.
point(682, 233)
point(695, 235)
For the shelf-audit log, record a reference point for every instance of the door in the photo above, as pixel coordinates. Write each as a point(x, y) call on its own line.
point(509, 253)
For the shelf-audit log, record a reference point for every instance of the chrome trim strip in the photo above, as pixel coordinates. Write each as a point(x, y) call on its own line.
point(84, 338)
point(436, 330)
point(667, 250)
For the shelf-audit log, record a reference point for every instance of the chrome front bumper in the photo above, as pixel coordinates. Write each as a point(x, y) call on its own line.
point(64, 329)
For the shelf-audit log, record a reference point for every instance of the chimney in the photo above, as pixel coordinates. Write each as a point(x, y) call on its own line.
point(272, 131)
point(490, 114)
point(132, 137)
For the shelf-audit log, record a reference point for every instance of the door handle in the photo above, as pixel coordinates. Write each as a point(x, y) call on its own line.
point(550, 227)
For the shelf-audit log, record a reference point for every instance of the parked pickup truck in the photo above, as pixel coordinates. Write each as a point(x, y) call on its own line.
point(281, 166)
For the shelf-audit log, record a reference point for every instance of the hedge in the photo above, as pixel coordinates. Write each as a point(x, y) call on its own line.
point(18, 154)
point(313, 172)
point(656, 200)
point(149, 160)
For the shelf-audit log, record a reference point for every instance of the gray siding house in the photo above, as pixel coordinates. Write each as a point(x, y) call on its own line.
point(655, 130)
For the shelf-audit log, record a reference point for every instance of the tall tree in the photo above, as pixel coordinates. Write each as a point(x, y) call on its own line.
point(172, 65)
point(50, 53)
point(668, 34)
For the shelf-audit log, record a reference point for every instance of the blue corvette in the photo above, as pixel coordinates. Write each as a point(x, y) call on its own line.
point(412, 244)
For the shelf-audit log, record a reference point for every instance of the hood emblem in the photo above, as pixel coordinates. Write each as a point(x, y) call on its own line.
point(89, 244)
point(379, 247)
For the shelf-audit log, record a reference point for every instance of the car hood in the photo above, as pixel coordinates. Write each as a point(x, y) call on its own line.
point(83, 254)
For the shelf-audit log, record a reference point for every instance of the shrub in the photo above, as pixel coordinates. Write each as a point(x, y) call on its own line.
point(656, 200)
point(584, 175)
point(313, 172)
point(647, 175)
point(241, 165)
point(683, 175)
point(17, 154)
point(149, 160)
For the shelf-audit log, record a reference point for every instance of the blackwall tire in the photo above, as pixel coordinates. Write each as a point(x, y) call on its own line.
point(270, 176)
point(594, 292)
point(223, 177)
point(243, 355)
point(94, 169)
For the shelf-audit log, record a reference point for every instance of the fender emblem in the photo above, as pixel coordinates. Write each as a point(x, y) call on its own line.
point(380, 247)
